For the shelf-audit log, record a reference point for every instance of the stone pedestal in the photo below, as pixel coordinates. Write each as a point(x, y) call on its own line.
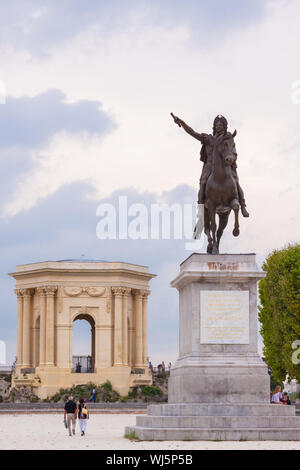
point(219, 387)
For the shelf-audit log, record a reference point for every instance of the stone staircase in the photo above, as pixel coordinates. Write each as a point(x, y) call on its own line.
point(222, 422)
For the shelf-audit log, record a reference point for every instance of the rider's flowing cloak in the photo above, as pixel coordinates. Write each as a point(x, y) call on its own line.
point(203, 154)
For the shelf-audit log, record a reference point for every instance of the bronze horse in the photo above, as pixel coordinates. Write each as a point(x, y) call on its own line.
point(221, 193)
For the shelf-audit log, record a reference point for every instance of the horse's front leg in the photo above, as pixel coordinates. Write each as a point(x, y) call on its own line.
point(236, 207)
point(223, 220)
point(213, 228)
point(207, 230)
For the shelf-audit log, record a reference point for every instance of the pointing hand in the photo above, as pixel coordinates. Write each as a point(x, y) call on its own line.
point(176, 120)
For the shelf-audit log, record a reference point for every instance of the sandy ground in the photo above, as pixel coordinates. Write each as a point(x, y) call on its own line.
point(104, 431)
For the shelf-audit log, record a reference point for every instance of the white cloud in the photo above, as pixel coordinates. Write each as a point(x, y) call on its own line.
point(68, 158)
point(140, 75)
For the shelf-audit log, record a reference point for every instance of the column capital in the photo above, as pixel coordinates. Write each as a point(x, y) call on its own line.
point(145, 293)
point(50, 290)
point(19, 292)
point(117, 291)
point(140, 292)
point(137, 292)
point(41, 291)
point(27, 292)
point(127, 291)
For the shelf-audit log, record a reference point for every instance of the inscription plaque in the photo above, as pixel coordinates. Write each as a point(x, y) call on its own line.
point(224, 317)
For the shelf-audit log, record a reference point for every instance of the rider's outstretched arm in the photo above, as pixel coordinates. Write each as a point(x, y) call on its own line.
point(189, 130)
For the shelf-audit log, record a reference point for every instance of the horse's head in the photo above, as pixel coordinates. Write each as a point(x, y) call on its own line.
point(226, 147)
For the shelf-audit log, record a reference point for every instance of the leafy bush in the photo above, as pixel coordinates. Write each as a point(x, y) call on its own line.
point(104, 393)
point(151, 391)
point(107, 386)
point(56, 398)
point(133, 393)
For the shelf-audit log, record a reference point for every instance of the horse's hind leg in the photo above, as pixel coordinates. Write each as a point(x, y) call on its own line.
point(235, 206)
point(207, 230)
point(223, 221)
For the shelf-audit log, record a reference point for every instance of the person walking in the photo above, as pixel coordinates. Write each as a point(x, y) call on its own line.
point(93, 395)
point(70, 415)
point(83, 415)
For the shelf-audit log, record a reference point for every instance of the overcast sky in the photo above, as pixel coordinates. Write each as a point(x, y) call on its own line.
point(90, 86)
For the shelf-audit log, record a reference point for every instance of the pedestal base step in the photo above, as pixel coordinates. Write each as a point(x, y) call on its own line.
point(220, 409)
point(219, 422)
point(226, 434)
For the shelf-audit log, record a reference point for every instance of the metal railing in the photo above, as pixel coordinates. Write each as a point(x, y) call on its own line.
point(82, 364)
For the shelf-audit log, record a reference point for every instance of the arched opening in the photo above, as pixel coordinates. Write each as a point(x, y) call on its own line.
point(83, 344)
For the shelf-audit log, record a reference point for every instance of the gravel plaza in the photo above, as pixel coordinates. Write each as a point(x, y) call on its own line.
point(104, 432)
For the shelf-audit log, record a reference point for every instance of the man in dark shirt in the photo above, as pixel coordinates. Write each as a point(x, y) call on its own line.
point(70, 414)
point(286, 399)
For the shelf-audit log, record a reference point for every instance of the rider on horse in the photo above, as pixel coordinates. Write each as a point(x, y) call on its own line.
point(206, 156)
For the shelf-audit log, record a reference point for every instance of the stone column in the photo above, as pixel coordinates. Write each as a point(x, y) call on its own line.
point(104, 336)
point(19, 293)
point(42, 300)
point(130, 355)
point(36, 345)
point(118, 348)
point(27, 328)
point(145, 327)
point(104, 343)
point(50, 293)
point(63, 346)
point(93, 335)
point(138, 328)
point(126, 294)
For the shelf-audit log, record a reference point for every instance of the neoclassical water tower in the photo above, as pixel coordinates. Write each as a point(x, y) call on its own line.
point(111, 296)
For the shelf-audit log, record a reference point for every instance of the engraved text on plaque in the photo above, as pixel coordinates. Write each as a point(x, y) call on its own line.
point(224, 317)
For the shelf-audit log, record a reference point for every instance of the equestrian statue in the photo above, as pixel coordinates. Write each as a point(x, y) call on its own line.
point(220, 191)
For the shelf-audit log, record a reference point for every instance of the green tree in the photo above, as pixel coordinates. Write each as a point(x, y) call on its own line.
point(279, 312)
point(274, 383)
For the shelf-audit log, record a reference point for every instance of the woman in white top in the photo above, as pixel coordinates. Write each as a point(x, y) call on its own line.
point(83, 415)
point(277, 396)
